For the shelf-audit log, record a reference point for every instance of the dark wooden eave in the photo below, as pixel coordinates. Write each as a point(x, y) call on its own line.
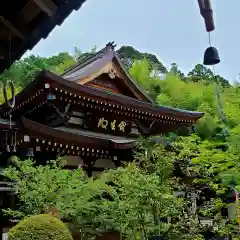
point(81, 138)
point(100, 95)
point(23, 23)
point(78, 138)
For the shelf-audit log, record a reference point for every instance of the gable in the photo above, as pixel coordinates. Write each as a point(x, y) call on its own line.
point(104, 69)
point(115, 86)
point(105, 83)
point(110, 78)
point(106, 62)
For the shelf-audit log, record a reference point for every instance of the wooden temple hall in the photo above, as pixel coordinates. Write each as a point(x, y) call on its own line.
point(91, 115)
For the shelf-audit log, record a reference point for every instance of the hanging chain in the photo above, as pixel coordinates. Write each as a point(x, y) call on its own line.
point(218, 96)
point(222, 116)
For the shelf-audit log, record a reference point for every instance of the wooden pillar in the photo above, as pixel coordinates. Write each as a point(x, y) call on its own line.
point(89, 161)
point(89, 170)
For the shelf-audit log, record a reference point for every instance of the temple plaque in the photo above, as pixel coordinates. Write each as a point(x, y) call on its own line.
point(108, 125)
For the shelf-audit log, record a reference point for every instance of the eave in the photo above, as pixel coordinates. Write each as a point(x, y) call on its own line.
point(73, 142)
point(117, 103)
point(25, 23)
point(131, 83)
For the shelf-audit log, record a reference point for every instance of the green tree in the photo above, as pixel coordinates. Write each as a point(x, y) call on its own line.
point(202, 73)
point(135, 199)
point(41, 188)
point(208, 168)
point(140, 72)
point(128, 55)
point(24, 71)
point(174, 70)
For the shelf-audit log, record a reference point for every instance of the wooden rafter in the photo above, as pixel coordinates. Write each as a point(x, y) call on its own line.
point(29, 12)
point(11, 27)
point(47, 6)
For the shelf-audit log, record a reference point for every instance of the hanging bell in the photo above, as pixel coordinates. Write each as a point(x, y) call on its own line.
point(211, 56)
point(14, 150)
point(8, 149)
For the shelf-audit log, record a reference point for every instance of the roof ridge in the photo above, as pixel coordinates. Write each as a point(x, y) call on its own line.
point(108, 48)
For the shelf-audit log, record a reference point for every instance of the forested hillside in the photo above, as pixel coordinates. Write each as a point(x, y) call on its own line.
point(194, 91)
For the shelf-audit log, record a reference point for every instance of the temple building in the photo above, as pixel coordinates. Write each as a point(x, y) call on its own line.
point(92, 115)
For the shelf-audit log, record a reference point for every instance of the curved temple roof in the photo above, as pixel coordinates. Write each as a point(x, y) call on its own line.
point(99, 95)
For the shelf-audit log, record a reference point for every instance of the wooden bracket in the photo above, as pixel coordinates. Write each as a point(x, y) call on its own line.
point(11, 27)
point(47, 6)
point(144, 129)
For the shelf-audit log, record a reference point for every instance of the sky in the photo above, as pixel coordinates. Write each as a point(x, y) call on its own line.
point(173, 30)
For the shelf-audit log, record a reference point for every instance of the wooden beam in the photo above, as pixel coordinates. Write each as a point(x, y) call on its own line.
point(11, 27)
point(144, 128)
point(47, 6)
point(29, 12)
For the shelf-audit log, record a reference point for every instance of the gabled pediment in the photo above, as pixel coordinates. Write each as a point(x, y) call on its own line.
point(105, 71)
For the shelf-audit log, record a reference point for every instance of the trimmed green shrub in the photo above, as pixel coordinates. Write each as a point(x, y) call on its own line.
point(40, 227)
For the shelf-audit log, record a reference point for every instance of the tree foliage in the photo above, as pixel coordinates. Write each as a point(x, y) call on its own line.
point(128, 55)
point(41, 188)
point(135, 200)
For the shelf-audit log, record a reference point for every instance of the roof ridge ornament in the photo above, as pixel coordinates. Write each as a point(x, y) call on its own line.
point(110, 46)
point(112, 73)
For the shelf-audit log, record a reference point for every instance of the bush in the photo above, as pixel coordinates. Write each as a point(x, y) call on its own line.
point(40, 227)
